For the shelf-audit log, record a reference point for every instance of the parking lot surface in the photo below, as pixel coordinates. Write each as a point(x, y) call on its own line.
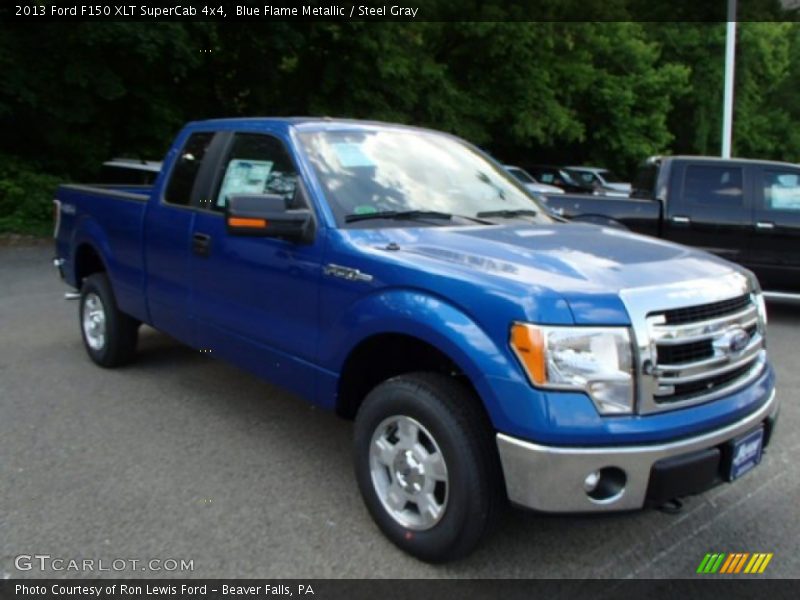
point(181, 456)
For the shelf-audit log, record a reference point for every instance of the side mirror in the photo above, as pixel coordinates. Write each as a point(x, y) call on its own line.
point(267, 215)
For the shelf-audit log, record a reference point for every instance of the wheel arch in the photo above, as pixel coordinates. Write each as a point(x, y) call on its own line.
point(403, 331)
point(88, 260)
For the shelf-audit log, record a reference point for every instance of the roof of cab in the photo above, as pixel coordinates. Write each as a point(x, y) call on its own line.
point(718, 159)
point(299, 123)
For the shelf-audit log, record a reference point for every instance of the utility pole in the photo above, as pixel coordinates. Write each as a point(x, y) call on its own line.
point(730, 58)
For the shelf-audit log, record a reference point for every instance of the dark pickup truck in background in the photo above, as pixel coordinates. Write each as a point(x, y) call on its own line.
point(747, 211)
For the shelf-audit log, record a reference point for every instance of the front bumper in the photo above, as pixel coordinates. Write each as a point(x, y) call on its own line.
point(551, 478)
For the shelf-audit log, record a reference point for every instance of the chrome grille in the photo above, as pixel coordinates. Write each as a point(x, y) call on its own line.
point(701, 355)
point(692, 314)
point(696, 341)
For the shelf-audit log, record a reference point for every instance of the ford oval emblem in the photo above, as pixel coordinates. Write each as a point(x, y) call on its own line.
point(737, 340)
point(732, 342)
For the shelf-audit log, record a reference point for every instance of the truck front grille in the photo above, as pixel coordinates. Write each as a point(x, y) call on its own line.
point(693, 314)
point(700, 352)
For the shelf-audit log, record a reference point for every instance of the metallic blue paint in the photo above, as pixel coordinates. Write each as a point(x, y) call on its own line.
point(266, 305)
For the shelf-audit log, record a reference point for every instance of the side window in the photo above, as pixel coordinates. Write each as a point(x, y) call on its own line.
point(187, 165)
point(782, 190)
point(644, 184)
point(257, 164)
point(713, 185)
point(546, 177)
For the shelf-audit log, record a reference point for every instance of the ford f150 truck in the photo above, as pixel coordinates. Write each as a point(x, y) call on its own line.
point(400, 277)
point(747, 211)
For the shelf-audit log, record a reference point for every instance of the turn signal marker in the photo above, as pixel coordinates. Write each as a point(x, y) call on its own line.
point(528, 344)
point(247, 222)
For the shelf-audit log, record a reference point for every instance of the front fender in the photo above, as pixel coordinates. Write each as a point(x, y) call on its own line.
point(435, 321)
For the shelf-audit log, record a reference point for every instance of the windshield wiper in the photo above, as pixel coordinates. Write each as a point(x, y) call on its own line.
point(509, 213)
point(410, 215)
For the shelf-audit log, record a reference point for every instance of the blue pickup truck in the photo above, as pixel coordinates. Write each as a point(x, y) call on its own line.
point(487, 351)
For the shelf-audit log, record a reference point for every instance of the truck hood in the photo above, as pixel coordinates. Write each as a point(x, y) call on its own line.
point(578, 262)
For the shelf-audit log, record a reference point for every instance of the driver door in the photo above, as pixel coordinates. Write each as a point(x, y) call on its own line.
point(256, 299)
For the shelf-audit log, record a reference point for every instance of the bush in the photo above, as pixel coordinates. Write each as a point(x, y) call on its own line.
point(26, 198)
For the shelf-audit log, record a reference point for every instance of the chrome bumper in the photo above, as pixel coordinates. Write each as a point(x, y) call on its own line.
point(551, 478)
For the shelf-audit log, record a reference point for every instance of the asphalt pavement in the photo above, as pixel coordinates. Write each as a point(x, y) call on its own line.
point(179, 456)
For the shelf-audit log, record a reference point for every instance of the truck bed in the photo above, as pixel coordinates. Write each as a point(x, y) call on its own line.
point(113, 216)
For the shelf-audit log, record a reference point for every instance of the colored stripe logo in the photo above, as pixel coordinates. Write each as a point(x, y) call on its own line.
point(734, 563)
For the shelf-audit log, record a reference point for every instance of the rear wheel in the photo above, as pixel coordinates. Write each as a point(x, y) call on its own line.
point(426, 465)
point(109, 335)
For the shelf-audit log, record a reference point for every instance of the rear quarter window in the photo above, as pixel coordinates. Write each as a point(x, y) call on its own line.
point(187, 165)
point(644, 184)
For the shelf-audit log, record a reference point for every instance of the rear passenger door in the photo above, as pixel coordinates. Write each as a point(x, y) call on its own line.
point(775, 247)
point(709, 209)
point(167, 232)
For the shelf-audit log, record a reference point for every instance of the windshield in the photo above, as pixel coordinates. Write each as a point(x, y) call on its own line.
point(611, 177)
point(584, 177)
point(379, 171)
point(520, 175)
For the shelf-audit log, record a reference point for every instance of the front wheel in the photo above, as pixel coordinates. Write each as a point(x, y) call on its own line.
point(427, 466)
point(109, 335)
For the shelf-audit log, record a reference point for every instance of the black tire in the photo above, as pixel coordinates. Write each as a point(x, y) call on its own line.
point(121, 331)
point(453, 416)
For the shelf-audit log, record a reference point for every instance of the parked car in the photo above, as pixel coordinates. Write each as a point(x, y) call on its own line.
point(400, 278)
point(557, 176)
point(602, 181)
point(530, 183)
point(747, 211)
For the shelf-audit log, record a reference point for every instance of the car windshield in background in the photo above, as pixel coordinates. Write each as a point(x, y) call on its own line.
point(385, 171)
point(520, 175)
point(567, 177)
point(612, 177)
point(585, 177)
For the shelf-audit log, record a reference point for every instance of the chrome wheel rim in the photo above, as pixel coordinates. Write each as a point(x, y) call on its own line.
point(409, 473)
point(94, 321)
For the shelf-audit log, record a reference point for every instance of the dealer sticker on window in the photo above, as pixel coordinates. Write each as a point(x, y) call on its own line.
point(746, 453)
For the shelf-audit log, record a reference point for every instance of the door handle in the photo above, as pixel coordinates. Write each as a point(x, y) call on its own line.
point(765, 225)
point(681, 220)
point(201, 244)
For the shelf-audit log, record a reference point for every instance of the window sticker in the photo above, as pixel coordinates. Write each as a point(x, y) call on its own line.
point(351, 155)
point(244, 177)
point(784, 197)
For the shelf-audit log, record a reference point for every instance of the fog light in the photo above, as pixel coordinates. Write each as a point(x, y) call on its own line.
point(591, 481)
point(605, 485)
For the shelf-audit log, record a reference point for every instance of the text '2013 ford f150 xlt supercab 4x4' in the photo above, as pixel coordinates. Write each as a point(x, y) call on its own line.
point(398, 276)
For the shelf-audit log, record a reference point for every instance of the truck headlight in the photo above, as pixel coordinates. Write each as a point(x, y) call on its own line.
point(758, 299)
point(595, 360)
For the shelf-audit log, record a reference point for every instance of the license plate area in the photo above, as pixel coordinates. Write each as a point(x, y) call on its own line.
point(745, 453)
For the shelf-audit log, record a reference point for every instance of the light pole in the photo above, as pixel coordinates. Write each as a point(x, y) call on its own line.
point(727, 102)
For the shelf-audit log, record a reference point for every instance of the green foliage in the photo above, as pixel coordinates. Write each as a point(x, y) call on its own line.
point(26, 198)
point(607, 93)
